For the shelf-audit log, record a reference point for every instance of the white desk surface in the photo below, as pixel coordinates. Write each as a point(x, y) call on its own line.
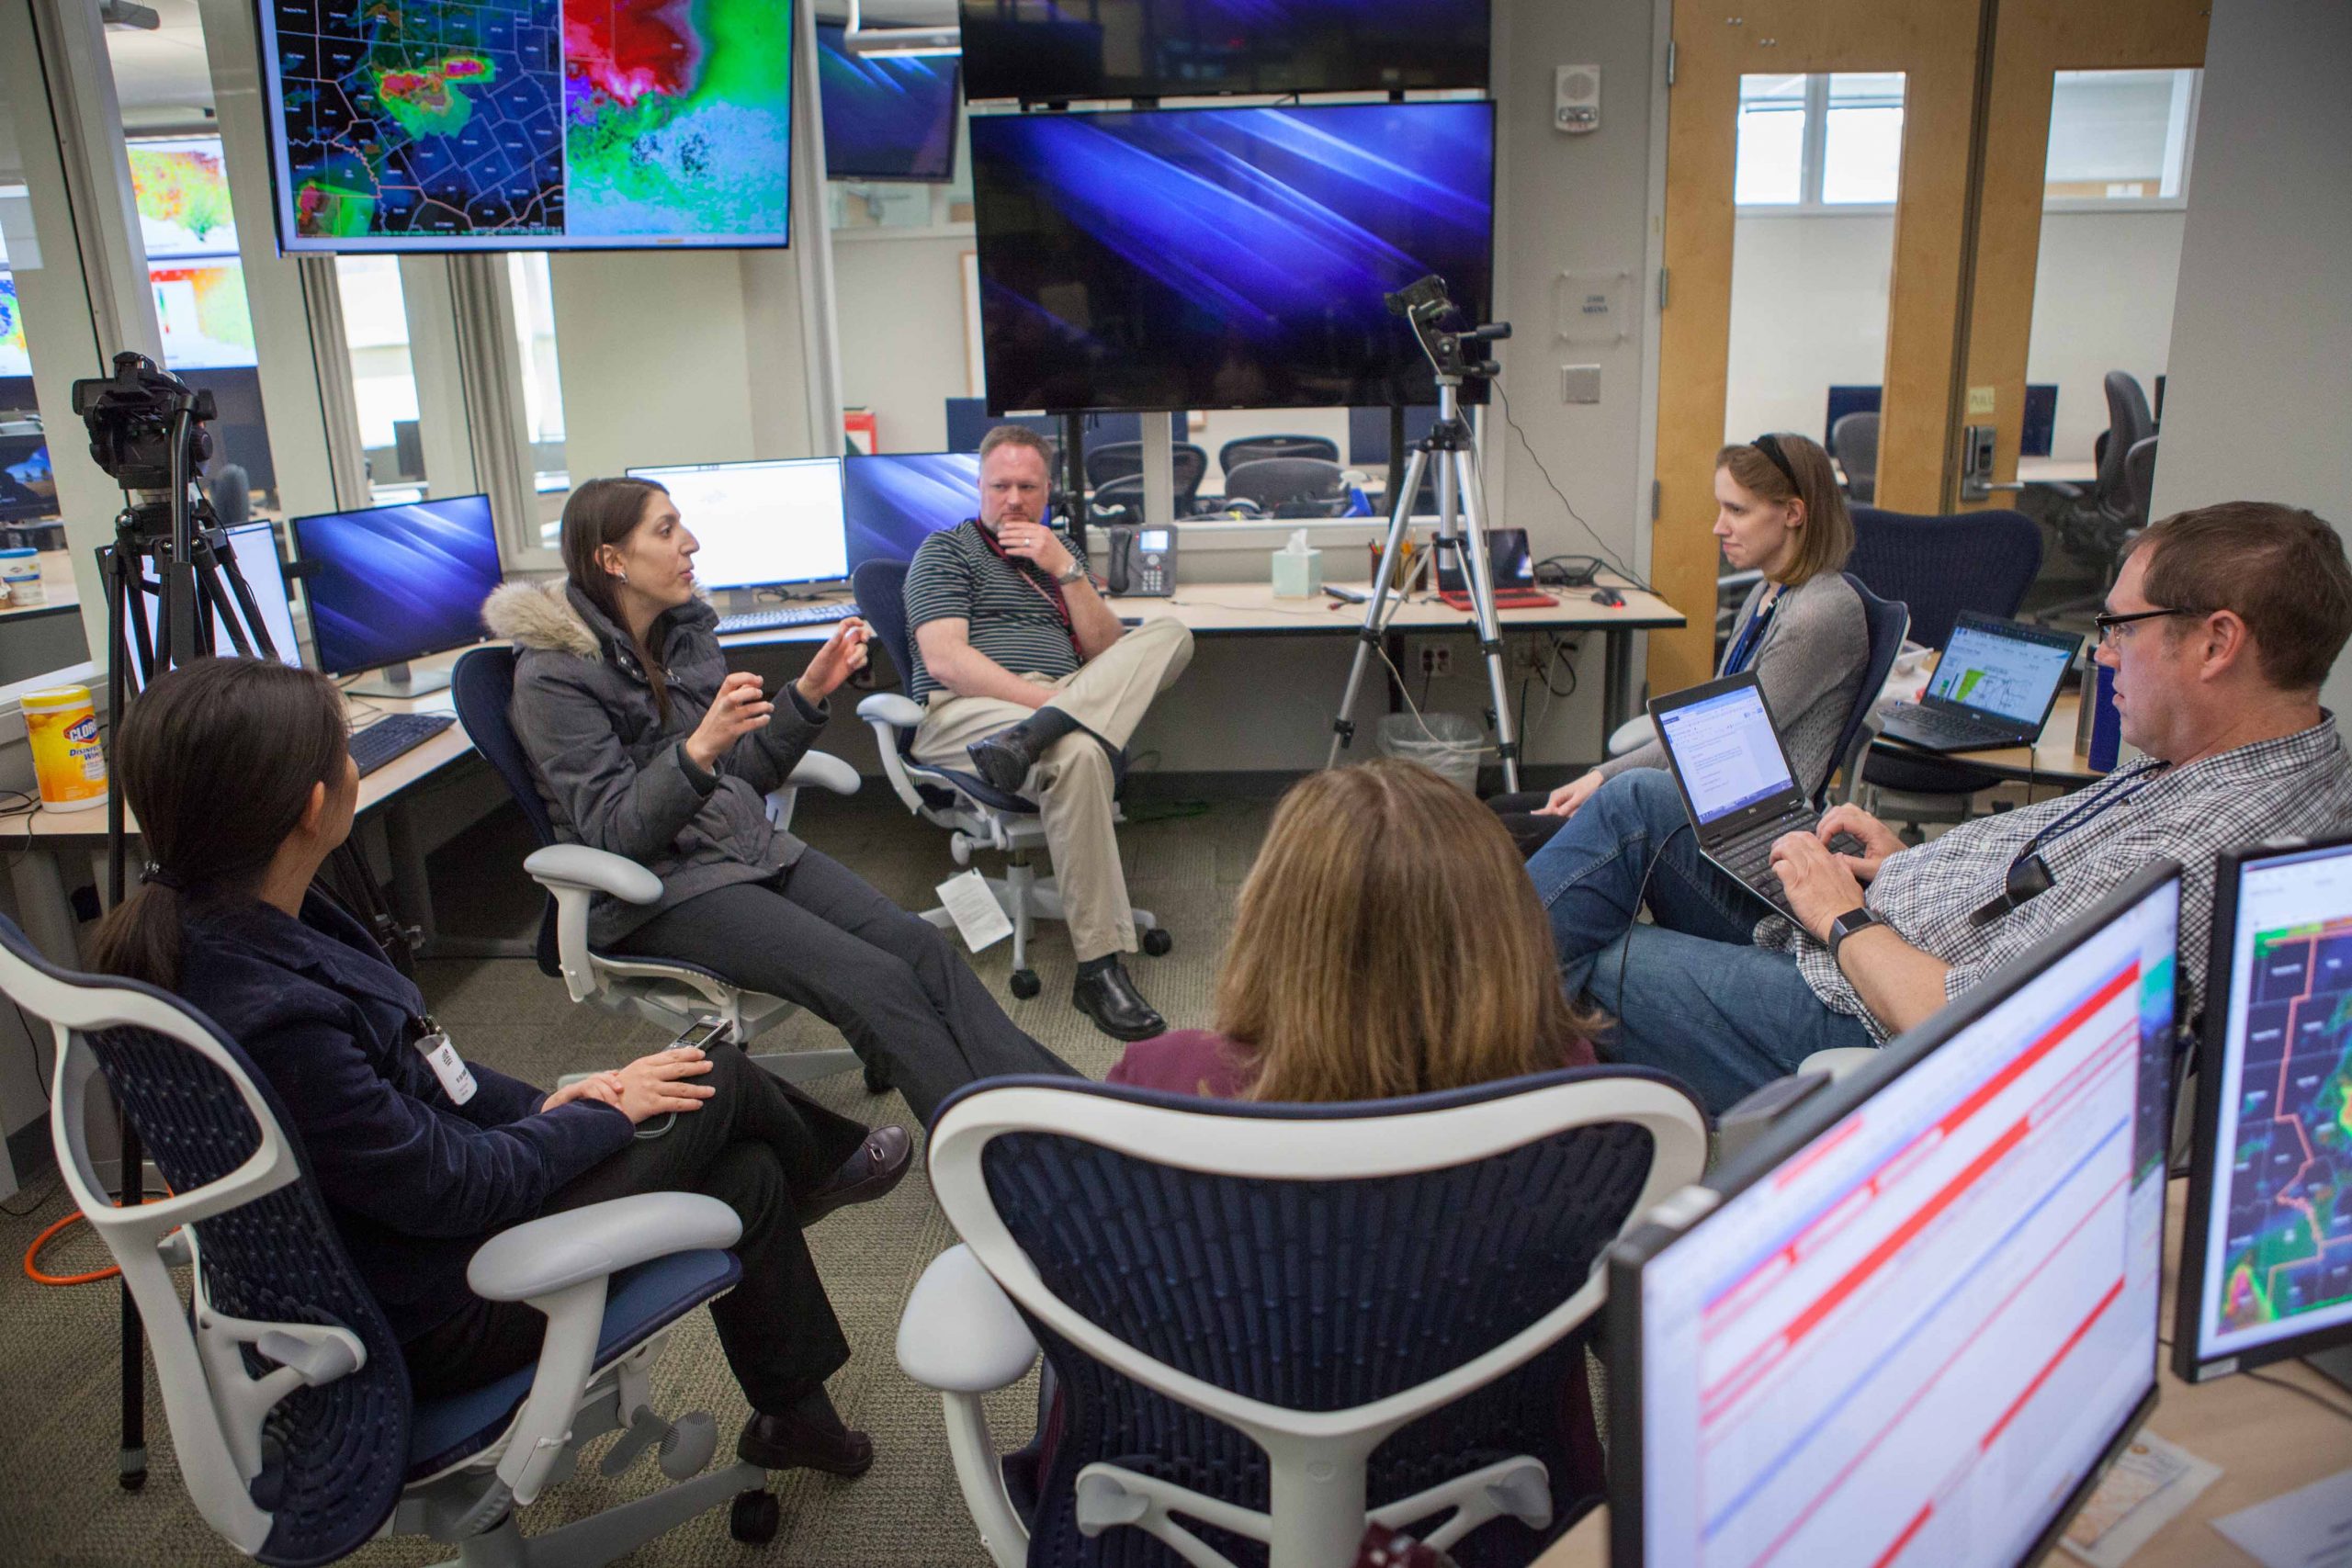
point(2267, 1442)
point(2057, 470)
point(59, 591)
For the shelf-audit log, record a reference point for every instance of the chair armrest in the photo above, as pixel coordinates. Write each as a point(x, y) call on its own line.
point(599, 871)
point(960, 1333)
point(820, 769)
point(891, 708)
point(541, 1256)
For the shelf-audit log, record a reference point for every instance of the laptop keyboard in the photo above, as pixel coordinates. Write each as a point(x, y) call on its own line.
point(1749, 856)
point(1938, 724)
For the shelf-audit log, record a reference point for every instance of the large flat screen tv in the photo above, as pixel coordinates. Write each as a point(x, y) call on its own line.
point(1224, 257)
point(528, 125)
point(1132, 48)
point(887, 117)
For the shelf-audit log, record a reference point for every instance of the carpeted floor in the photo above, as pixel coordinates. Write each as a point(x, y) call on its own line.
point(59, 1501)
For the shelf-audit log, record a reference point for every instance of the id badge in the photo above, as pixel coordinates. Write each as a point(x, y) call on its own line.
point(457, 1079)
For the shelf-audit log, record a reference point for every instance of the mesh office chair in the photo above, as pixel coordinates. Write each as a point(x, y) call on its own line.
point(668, 992)
point(1124, 459)
point(1289, 487)
point(289, 1401)
point(975, 814)
point(1280, 1324)
point(1116, 501)
point(2093, 524)
point(1253, 448)
point(1889, 621)
point(1855, 442)
point(2140, 482)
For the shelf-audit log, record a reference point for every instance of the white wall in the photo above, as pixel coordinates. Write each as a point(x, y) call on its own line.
point(652, 350)
point(900, 305)
point(2262, 334)
point(1809, 301)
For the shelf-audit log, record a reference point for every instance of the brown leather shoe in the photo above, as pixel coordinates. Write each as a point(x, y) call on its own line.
point(879, 1165)
point(795, 1442)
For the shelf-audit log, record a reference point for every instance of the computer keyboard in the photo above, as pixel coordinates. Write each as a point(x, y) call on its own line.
point(1749, 856)
point(789, 615)
point(1938, 724)
point(395, 735)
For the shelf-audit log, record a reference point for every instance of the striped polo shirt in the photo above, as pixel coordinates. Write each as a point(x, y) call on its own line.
point(1006, 602)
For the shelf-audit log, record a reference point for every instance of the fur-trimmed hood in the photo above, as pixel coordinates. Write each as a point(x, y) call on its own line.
point(540, 615)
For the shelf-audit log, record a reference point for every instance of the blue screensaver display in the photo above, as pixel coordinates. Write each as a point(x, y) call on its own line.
point(1225, 258)
point(887, 117)
point(394, 583)
point(1128, 49)
point(894, 502)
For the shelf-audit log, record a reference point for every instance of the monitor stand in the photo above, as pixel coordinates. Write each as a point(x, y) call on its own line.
point(400, 681)
point(2334, 1365)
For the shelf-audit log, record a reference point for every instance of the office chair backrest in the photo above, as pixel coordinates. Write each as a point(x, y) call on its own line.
point(1253, 448)
point(326, 1463)
point(1273, 482)
point(1116, 460)
point(230, 490)
point(483, 688)
point(1118, 501)
point(1855, 440)
point(1940, 565)
point(1889, 621)
point(2128, 424)
point(1196, 1269)
point(2139, 480)
point(880, 589)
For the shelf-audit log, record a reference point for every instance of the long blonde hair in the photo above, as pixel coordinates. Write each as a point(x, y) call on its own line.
point(1389, 942)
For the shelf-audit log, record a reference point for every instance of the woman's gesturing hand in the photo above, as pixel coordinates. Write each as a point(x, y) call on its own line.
point(739, 708)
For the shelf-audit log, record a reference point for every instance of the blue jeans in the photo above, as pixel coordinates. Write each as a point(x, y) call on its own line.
point(1692, 995)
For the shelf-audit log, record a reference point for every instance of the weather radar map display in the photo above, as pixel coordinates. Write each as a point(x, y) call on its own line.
point(438, 125)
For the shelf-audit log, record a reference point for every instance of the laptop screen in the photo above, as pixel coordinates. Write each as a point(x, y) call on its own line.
point(1724, 751)
point(1998, 671)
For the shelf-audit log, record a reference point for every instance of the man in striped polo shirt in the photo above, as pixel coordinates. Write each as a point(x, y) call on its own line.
point(1028, 678)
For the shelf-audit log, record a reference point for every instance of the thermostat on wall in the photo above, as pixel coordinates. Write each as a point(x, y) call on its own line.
point(1575, 92)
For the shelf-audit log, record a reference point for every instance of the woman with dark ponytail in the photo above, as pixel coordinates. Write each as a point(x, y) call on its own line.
point(242, 785)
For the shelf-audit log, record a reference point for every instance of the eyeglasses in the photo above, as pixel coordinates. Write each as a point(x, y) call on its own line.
point(2109, 626)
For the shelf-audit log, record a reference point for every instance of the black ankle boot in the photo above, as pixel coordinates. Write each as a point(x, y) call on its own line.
point(1005, 757)
point(1105, 994)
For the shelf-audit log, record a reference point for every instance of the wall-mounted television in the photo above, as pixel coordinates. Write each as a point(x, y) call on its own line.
point(1224, 257)
point(887, 117)
point(550, 125)
point(1131, 48)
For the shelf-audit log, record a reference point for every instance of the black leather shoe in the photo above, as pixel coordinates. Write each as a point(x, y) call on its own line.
point(1004, 759)
point(879, 1165)
point(1119, 1009)
point(795, 1442)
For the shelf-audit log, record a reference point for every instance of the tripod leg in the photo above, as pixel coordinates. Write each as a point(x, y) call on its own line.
point(1479, 571)
point(122, 582)
point(1379, 608)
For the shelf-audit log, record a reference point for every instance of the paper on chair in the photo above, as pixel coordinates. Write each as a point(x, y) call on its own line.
point(2152, 1481)
point(974, 910)
point(2311, 1528)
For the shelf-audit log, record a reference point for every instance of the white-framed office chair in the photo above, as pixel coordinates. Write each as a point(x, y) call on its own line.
point(670, 993)
point(1282, 1324)
point(290, 1413)
point(976, 815)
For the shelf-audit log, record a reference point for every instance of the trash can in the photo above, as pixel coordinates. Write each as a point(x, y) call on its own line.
point(1447, 743)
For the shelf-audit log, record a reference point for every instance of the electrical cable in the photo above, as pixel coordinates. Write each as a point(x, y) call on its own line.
point(2319, 1399)
point(1622, 569)
point(1634, 917)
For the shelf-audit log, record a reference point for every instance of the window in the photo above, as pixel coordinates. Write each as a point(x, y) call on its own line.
point(383, 380)
point(528, 276)
point(2121, 136)
point(1824, 140)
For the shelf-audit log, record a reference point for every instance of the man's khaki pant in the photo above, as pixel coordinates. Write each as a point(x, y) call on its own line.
point(1072, 783)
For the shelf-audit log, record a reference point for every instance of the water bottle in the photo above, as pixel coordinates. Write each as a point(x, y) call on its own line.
point(2107, 724)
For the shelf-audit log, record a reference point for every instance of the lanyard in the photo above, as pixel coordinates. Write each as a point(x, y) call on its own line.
point(1743, 651)
point(1049, 588)
point(2098, 802)
point(2029, 876)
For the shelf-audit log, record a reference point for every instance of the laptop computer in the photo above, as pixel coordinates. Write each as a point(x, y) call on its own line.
point(1994, 686)
point(1511, 568)
point(1734, 773)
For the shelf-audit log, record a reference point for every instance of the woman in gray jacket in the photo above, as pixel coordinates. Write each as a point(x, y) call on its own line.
point(645, 746)
point(1802, 631)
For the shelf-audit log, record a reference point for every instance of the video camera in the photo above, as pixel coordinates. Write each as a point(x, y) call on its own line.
point(1424, 304)
point(138, 417)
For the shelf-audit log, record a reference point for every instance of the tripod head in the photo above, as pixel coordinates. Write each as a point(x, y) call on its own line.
point(1424, 306)
point(146, 426)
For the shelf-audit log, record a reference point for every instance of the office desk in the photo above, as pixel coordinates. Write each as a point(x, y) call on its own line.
point(2057, 470)
point(59, 591)
point(2267, 1442)
point(40, 843)
point(2051, 760)
point(1251, 609)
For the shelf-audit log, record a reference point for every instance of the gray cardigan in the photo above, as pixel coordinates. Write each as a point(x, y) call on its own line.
point(616, 775)
point(1811, 664)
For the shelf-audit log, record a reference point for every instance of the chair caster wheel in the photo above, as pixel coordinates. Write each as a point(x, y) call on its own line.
point(753, 1518)
point(1158, 943)
point(1024, 984)
point(877, 1079)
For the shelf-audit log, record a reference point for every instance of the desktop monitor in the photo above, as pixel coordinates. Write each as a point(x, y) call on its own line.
point(892, 504)
point(1210, 258)
point(393, 583)
point(254, 548)
point(1918, 1319)
point(2266, 1260)
point(887, 116)
point(28, 484)
point(762, 524)
point(2040, 426)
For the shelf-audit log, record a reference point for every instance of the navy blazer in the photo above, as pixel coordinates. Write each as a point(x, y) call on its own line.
point(415, 1182)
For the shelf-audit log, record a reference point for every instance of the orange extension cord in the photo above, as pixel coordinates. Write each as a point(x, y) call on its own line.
point(33, 1253)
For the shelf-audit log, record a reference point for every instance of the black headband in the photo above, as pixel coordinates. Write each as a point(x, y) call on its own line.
point(1771, 447)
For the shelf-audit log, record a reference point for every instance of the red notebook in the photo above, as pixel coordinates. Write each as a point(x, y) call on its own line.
point(1505, 598)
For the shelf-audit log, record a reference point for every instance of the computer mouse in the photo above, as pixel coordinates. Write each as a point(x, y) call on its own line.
point(1608, 596)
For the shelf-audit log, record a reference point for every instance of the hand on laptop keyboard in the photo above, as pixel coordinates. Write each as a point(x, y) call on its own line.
point(1847, 844)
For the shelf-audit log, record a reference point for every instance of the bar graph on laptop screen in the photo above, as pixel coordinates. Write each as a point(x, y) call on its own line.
point(2010, 676)
point(1916, 1338)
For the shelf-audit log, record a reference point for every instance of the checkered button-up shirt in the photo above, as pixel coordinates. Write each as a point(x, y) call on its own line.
point(2299, 785)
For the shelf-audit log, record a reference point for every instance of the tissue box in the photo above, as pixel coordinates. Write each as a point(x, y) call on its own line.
point(1298, 577)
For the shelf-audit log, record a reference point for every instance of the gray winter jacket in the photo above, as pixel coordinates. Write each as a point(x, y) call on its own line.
point(615, 776)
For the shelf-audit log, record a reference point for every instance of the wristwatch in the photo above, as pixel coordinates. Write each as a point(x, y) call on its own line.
point(1072, 575)
point(1846, 924)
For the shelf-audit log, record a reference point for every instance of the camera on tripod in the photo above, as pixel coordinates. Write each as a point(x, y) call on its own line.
point(1423, 303)
point(146, 424)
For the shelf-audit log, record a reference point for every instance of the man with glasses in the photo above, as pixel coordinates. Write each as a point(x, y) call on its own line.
point(2220, 627)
